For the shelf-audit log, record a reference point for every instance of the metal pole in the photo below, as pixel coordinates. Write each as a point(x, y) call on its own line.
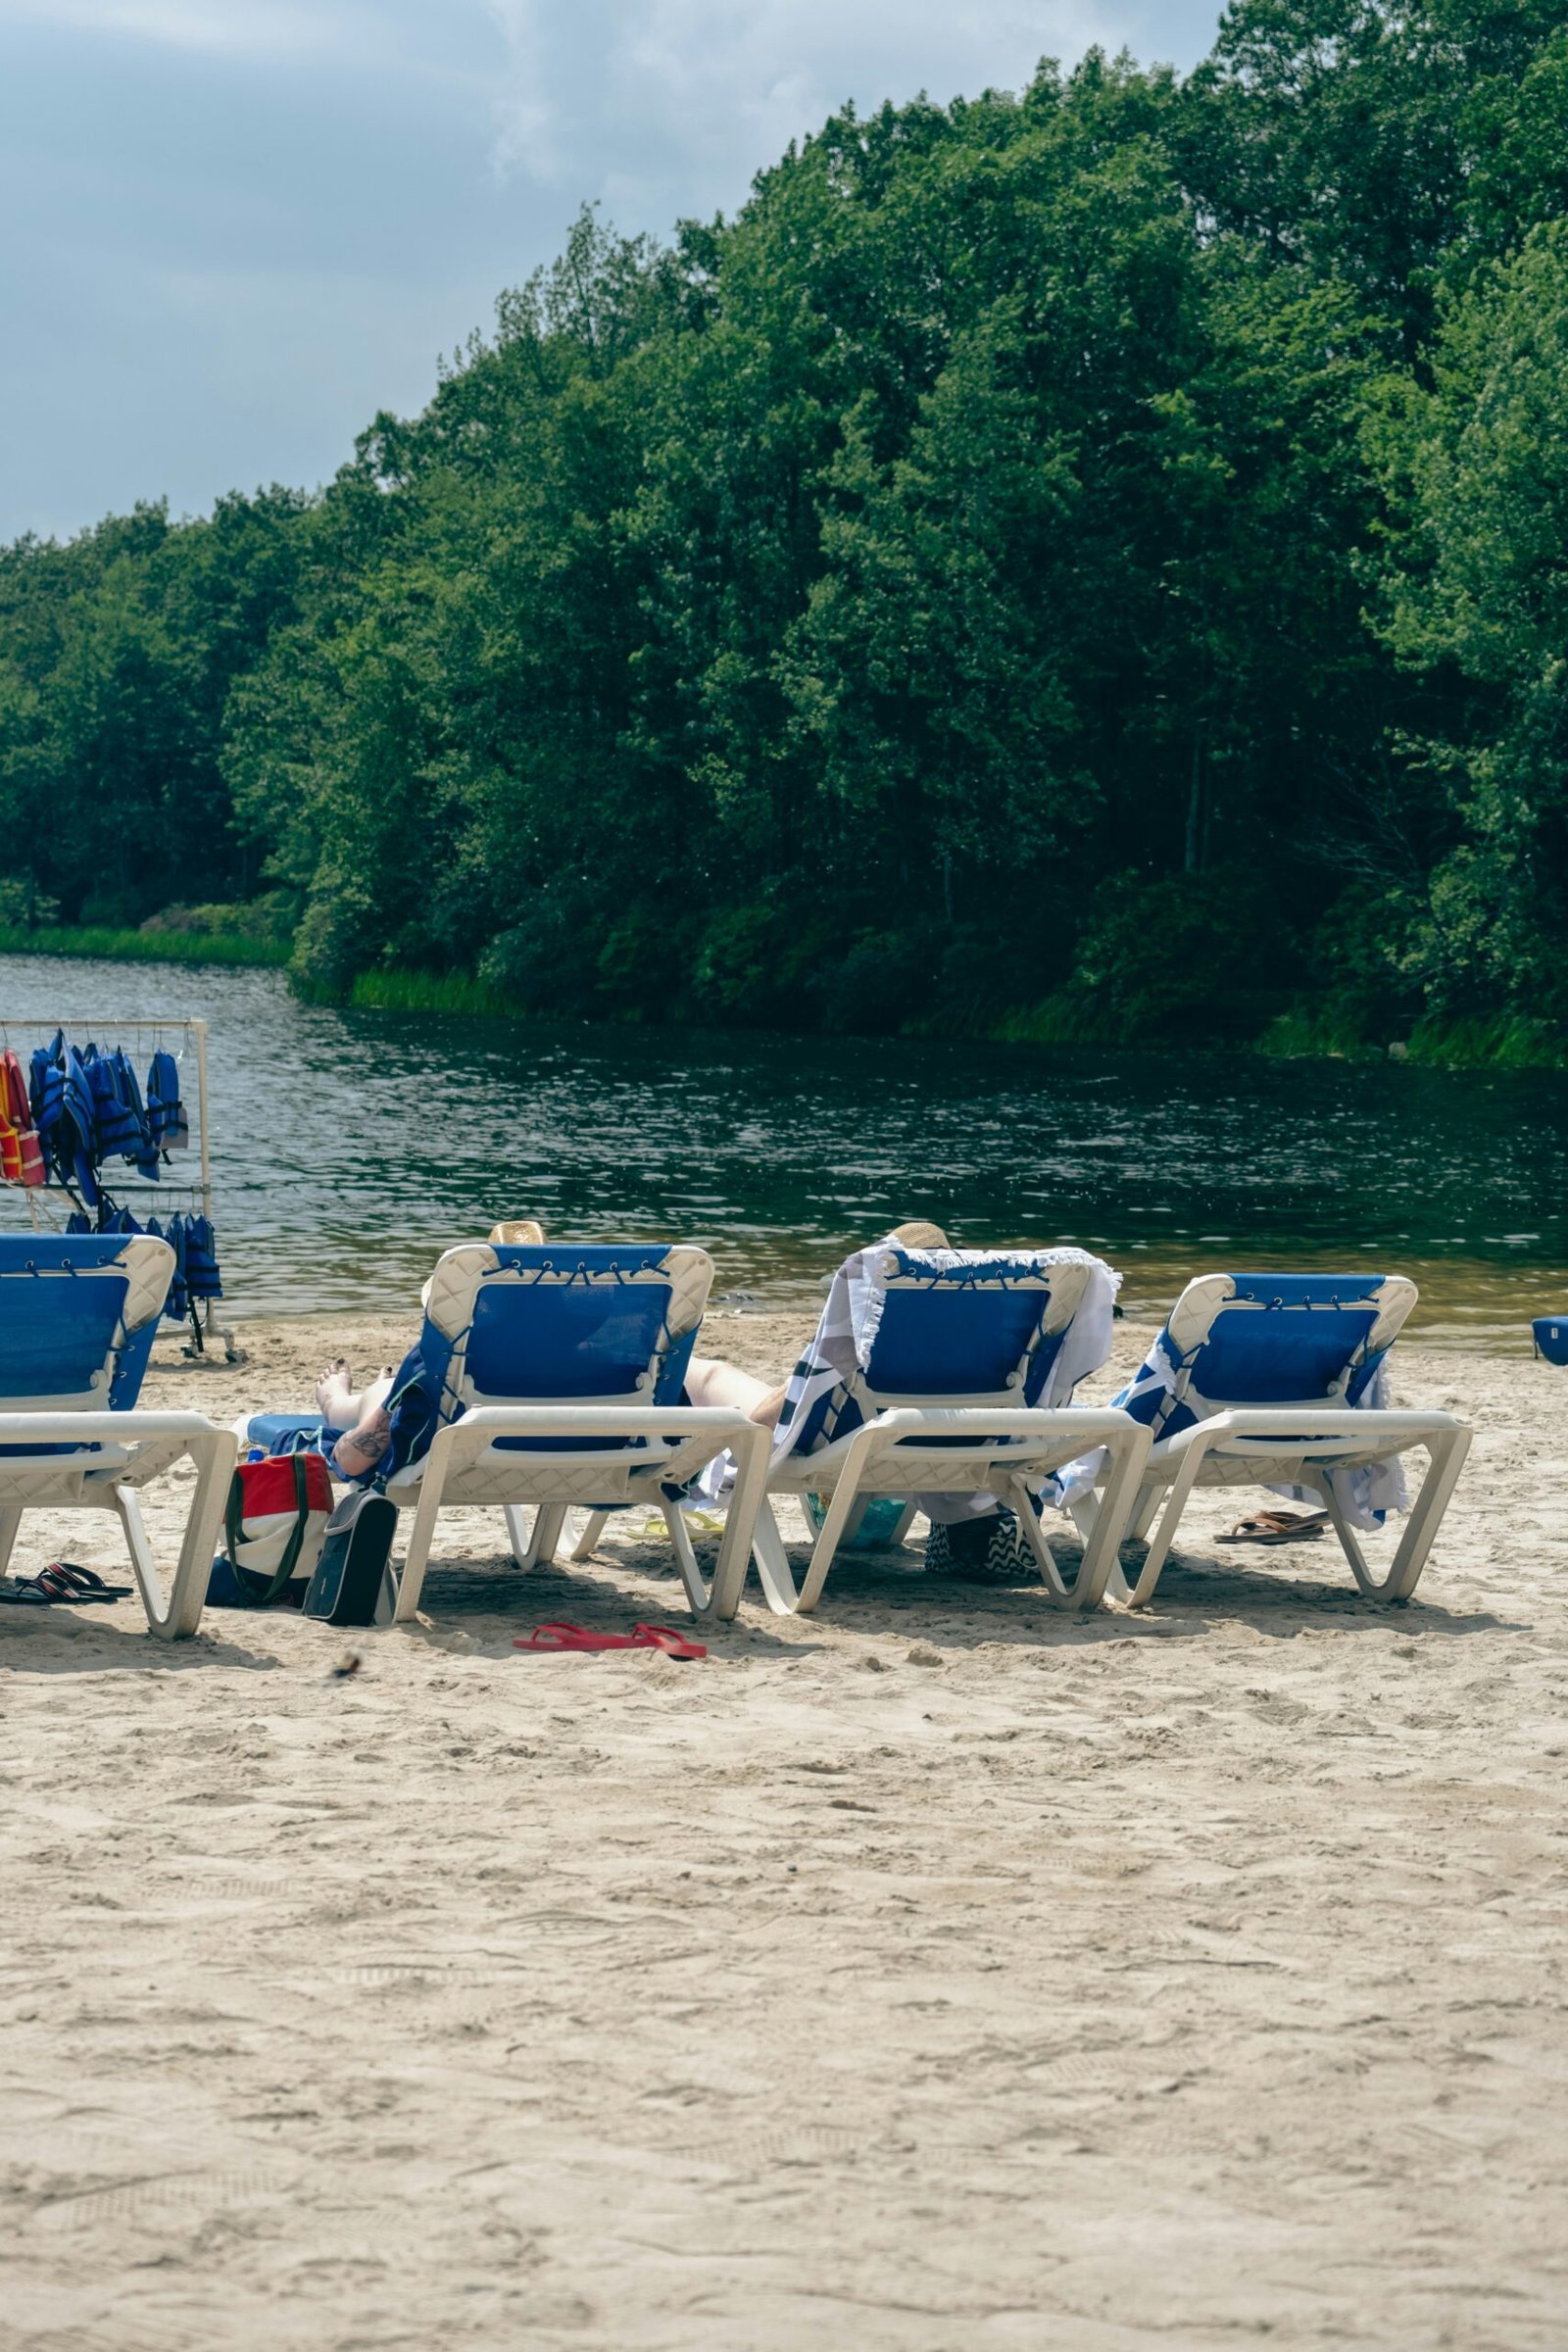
point(199, 1031)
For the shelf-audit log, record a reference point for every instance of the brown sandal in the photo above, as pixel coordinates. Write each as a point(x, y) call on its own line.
point(1278, 1527)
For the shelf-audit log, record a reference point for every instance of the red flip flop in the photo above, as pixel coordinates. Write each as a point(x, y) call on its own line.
point(643, 1637)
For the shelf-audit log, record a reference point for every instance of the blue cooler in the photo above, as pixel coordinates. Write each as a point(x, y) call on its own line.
point(1551, 1338)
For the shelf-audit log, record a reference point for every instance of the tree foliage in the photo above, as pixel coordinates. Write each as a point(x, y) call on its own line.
point(1103, 546)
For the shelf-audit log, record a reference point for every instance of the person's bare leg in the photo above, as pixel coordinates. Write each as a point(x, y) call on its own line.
point(710, 1381)
point(359, 1450)
point(363, 1417)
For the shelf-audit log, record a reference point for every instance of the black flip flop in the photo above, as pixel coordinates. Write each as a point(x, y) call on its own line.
point(64, 1580)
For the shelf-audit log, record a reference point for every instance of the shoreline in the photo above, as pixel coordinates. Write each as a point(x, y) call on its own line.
point(86, 943)
point(1499, 1043)
point(1502, 1344)
point(765, 1340)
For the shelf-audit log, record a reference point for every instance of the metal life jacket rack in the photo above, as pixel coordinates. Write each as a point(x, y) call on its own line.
point(163, 1195)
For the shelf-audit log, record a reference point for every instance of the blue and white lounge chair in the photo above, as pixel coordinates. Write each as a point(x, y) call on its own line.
point(78, 1317)
point(947, 1373)
point(556, 1375)
point(1276, 1380)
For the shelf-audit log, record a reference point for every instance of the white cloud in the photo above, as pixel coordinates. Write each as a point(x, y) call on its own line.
point(527, 107)
point(218, 291)
point(200, 28)
point(688, 97)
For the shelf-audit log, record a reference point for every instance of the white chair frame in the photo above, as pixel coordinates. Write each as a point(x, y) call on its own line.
point(1011, 1449)
point(465, 1467)
point(133, 1448)
point(1242, 1446)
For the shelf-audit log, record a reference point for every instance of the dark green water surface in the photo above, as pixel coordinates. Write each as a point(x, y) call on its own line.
point(350, 1147)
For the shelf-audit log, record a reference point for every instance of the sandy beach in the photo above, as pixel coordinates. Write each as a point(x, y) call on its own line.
point(935, 1973)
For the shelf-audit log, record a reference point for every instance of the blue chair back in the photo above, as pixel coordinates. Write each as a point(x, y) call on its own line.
point(1246, 1339)
point(964, 1331)
point(79, 1315)
point(987, 1330)
point(599, 1341)
point(1287, 1337)
point(536, 1323)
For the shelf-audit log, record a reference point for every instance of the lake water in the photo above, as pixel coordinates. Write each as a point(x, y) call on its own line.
point(350, 1147)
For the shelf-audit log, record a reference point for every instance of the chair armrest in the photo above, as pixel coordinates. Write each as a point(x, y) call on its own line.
point(103, 1428)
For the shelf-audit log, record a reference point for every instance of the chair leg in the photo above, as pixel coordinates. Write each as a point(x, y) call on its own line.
point(843, 1505)
point(1027, 1514)
point(10, 1521)
point(587, 1542)
point(412, 1582)
point(773, 1569)
point(1323, 1485)
point(1143, 1514)
point(907, 1519)
point(534, 1548)
point(1084, 1512)
point(1159, 1543)
point(548, 1521)
point(176, 1619)
point(1087, 1588)
point(144, 1566)
point(691, 1574)
point(748, 1502)
point(1445, 1459)
point(1101, 1518)
point(1115, 1507)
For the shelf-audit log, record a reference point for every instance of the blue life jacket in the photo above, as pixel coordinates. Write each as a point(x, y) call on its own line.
point(202, 1275)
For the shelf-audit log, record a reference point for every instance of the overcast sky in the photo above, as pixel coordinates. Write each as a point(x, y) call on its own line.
point(232, 229)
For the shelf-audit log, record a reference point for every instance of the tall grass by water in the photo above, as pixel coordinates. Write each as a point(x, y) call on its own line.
point(142, 947)
point(1305, 1032)
point(395, 990)
point(1493, 1041)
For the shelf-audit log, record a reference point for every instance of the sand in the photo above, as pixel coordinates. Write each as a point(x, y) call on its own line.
point(935, 1973)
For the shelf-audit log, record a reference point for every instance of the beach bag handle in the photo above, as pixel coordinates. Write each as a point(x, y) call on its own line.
point(233, 1531)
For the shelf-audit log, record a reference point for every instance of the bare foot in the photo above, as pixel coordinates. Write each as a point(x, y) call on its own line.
point(377, 1392)
point(337, 1403)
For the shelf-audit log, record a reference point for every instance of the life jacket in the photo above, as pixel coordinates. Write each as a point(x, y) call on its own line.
point(116, 1131)
point(202, 1276)
point(17, 1112)
point(177, 1304)
point(75, 1134)
point(48, 1090)
point(145, 1154)
point(166, 1123)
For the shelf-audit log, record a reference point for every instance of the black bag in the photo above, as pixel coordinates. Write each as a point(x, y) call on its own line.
point(354, 1561)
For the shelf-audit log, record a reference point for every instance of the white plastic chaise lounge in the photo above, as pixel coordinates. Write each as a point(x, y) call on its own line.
point(947, 1373)
point(557, 1372)
point(1276, 1380)
point(77, 1318)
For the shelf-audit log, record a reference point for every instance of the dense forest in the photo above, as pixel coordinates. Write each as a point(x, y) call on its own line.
point(1078, 563)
